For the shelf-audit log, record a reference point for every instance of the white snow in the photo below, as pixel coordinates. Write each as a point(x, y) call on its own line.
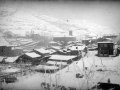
point(32, 54)
point(67, 76)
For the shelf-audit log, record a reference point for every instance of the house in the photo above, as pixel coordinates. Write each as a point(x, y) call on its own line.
point(76, 49)
point(29, 58)
point(10, 50)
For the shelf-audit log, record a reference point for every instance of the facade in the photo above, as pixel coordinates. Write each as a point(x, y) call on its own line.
point(105, 48)
point(64, 39)
point(10, 51)
point(29, 58)
point(76, 49)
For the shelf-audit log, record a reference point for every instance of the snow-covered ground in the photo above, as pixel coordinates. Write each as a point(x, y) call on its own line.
point(67, 76)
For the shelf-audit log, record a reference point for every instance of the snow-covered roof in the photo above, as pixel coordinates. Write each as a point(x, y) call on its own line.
point(52, 42)
point(8, 59)
point(61, 57)
point(1, 58)
point(52, 51)
point(43, 51)
point(11, 70)
point(11, 59)
point(105, 42)
point(56, 47)
point(32, 54)
point(109, 39)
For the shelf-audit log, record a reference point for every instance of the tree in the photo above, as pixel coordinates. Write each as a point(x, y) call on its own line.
point(117, 40)
point(8, 34)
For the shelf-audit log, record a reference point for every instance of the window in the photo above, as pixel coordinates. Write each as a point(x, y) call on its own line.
point(105, 45)
point(101, 45)
point(76, 47)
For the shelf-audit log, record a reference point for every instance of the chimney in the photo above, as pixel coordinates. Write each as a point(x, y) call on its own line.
point(70, 33)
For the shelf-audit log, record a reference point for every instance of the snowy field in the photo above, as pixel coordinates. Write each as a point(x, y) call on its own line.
point(67, 76)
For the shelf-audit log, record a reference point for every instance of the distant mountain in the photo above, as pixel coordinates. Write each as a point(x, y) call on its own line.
point(20, 22)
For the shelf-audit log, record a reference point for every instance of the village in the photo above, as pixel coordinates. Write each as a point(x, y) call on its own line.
point(65, 46)
point(60, 63)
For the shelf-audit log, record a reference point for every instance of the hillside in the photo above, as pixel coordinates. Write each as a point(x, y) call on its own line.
point(80, 27)
point(22, 23)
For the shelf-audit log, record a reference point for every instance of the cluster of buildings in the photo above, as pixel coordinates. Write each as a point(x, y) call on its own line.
point(57, 54)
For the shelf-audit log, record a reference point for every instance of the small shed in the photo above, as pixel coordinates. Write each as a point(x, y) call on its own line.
point(30, 57)
point(76, 49)
point(105, 48)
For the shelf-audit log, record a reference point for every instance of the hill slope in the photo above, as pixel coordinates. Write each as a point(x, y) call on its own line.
point(20, 22)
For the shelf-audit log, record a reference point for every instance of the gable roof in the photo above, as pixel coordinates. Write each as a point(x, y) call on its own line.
point(33, 54)
point(43, 51)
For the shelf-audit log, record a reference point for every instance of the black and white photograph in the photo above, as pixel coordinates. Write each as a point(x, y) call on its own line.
point(59, 45)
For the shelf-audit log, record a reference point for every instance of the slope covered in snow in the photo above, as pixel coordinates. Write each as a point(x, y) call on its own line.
point(20, 22)
point(80, 27)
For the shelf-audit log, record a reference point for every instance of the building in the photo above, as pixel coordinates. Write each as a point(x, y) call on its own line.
point(64, 39)
point(76, 49)
point(106, 49)
point(29, 58)
point(10, 51)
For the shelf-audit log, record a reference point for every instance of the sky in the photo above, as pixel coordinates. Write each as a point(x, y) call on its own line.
point(105, 13)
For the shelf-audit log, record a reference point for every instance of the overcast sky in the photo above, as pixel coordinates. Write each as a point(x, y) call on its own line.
point(106, 13)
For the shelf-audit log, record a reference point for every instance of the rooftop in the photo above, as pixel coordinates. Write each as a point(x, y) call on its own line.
point(43, 51)
point(32, 54)
point(61, 57)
